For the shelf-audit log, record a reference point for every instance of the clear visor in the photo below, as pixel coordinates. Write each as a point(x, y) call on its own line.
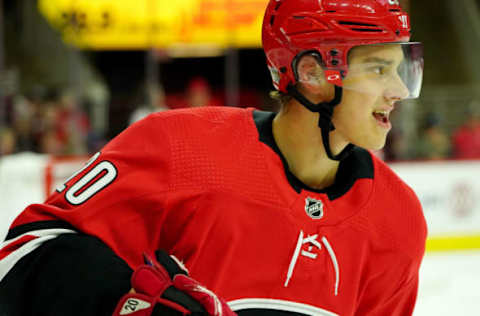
point(394, 70)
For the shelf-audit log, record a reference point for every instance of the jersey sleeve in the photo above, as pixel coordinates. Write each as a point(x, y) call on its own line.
point(111, 212)
point(393, 273)
point(72, 274)
point(398, 233)
point(386, 295)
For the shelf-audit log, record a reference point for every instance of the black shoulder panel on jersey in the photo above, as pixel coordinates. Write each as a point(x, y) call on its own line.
point(72, 274)
point(22, 229)
point(358, 165)
point(263, 121)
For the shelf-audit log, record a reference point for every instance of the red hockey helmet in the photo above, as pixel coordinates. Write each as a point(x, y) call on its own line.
point(329, 27)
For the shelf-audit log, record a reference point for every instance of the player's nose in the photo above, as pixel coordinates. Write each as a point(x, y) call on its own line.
point(396, 90)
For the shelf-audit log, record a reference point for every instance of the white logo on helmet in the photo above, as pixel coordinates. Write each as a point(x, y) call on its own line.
point(393, 2)
point(333, 77)
point(275, 75)
point(404, 20)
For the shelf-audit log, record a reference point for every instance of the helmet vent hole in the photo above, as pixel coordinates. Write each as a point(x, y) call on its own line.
point(356, 24)
point(277, 6)
point(361, 26)
point(298, 17)
point(394, 10)
point(367, 30)
point(331, 11)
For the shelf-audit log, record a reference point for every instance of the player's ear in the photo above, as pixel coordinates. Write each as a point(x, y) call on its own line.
point(311, 77)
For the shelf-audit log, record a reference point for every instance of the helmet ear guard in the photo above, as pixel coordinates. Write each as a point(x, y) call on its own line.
point(308, 69)
point(331, 75)
point(296, 60)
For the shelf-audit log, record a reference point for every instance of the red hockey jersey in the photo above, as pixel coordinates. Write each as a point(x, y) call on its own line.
point(210, 186)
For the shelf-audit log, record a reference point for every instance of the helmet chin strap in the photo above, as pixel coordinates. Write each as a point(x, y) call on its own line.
point(325, 109)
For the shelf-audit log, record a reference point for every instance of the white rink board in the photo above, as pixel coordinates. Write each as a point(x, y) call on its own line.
point(448, 191)
point(21, 183)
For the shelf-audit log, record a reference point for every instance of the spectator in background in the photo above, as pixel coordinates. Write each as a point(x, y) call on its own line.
point(24, 111)
point(199, 93)
point(433, 143)
point(51, 144)
point(48, 122)
point(153, 101)
point(466, 139)
point(35, 116)
point(7, 141)
point(72, 125)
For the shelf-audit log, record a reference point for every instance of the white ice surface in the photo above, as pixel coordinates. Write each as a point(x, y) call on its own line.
point(449, 284)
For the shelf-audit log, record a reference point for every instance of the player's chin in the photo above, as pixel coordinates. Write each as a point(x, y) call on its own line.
point(378, 146)
point(372, 143)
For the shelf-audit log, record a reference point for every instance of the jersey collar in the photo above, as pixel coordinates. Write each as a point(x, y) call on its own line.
point(358, 165)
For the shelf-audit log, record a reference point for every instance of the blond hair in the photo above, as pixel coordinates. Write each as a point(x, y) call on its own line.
point(280, 98)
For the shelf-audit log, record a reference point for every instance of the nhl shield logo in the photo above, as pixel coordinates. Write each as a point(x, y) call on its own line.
point(314, 208)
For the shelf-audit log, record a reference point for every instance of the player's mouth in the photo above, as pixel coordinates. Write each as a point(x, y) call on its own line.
point(382, 118)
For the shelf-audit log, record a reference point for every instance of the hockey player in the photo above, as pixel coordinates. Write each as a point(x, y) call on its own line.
point(274, 214)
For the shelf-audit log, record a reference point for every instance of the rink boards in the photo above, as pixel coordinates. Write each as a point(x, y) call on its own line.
point(449, 192)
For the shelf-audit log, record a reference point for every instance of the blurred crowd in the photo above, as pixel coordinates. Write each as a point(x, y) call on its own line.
point(58, 123)
point(198, 92)
point(51, 122)
point(437, 139)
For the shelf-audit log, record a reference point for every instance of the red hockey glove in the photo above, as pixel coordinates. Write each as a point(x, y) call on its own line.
point(163, 287)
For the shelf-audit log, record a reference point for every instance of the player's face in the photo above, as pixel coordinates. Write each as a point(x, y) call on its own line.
point(371, 88)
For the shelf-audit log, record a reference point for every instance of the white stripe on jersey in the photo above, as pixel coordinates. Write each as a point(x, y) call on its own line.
point(282, 305)
point(43, 235)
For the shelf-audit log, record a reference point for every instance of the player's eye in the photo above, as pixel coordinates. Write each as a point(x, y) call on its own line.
point(379, 70)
